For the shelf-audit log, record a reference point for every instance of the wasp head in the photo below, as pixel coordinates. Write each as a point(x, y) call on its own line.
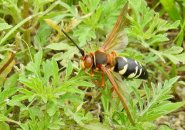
point(87, 61)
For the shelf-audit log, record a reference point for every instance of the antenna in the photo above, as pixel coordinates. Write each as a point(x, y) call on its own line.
point(81, 51)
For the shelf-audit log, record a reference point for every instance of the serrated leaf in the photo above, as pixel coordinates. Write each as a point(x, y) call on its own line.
point(174, 50)
point(176, 59)
point(147, 92)
point(168, 84)
point(138, 96)
point(84, 34)
point(163, 109)
point(47, 70)
point(158, 100)
point(164, 25)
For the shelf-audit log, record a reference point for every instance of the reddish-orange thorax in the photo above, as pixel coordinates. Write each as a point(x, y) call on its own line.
point(97, 59)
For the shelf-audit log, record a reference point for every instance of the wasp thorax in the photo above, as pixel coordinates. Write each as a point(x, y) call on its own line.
point(87, 61)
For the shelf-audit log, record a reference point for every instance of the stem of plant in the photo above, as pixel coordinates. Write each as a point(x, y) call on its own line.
point(26, 25)
point(26, 35)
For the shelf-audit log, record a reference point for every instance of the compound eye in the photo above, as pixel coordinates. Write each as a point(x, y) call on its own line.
point(88, 62)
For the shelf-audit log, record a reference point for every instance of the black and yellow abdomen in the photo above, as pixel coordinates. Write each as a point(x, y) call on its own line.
point(130, 68)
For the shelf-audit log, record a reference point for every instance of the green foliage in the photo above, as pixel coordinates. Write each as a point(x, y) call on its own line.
point(145, 106)
point(47, 89)
point(175, 10)
point(156, 100)
point(48, 95)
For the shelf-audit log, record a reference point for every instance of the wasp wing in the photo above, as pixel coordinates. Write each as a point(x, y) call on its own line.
point(116, 89)
point(117, 39)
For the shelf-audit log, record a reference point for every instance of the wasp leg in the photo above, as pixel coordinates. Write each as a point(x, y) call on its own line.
point(102, 82)
point(122, 99)
point(112, 89)
point(92, 72)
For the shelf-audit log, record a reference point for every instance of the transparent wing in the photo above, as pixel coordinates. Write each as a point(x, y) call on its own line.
point(116, 89)
point(117, 39)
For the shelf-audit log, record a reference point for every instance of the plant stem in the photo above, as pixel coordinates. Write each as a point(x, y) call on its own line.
point(26, 35)
point(26, 25)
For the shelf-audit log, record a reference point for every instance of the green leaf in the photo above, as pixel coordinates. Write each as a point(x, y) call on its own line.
point(52, 108)
point(4, 126)
point(174, 50)
point(55, 72)
point(180, 38)
point(17, 99)
point(35, 65)
point(69, 70)
point(38, 60)
point(26, 92)
point(171, 8)
point(163, 109)
point(47, 70)
point(89, 5)
point(5, 38)
point(6, 94)
point(164, 127)
point(174, 54)
point(24, 126)
point(84, 34)
point(4, 26)
point(96, 126)
point(71, 9)
point(76, 116)
point(11, 81)
point(41, 38)
point(159, 104)
point(59, 46)
point(3, 118)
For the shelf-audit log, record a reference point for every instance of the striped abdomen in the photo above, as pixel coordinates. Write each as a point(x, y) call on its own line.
point(129, 68)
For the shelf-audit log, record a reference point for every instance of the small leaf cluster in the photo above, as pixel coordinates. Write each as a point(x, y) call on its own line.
point(44, 86)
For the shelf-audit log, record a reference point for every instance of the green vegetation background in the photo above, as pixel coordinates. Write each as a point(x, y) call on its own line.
point(44, 88)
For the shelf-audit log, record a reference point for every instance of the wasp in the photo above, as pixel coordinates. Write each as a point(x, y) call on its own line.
point(106, 59)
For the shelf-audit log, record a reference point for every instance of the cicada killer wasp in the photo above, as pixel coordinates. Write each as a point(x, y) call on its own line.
point(106, 59)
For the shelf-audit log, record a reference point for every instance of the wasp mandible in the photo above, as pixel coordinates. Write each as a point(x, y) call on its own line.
point(106, 59)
